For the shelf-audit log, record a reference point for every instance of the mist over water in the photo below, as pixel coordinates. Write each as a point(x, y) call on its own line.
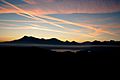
point(58, 48)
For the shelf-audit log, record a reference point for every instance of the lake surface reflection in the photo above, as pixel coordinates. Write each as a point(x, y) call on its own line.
point(58, 48)
point(64, 50)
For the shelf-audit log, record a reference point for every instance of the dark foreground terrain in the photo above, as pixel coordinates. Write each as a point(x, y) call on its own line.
point(34, 55)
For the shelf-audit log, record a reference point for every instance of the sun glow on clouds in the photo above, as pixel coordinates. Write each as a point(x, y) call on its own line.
point(68, 6)
point(38, 10)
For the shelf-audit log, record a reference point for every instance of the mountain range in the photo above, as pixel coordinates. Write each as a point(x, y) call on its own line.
point(30, 39)
point(54, 41)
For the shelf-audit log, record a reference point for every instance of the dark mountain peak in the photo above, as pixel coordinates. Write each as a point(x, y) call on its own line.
point(24, 37)
point(54, 39)
point(27, 37)
point(67, 41)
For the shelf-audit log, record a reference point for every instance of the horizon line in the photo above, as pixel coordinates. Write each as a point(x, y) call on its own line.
point(57, 39)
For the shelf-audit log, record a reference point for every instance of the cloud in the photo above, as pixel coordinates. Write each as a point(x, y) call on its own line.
point(35, 12)
point(37, 28)
point(35, 2)
point(32, 2)
point(7, 24)
point(78, 6)
point(26, 21)
point(36, 18)
point(80, 25)
point(50, 0)
point(17, 28)
point(1, 8)
point(43, 7)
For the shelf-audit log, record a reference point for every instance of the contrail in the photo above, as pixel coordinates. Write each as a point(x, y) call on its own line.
point(15, 21)
point(39, 26)
point(36, 28)
point(76, 24)
point(8, 24)
point(17, 28)
point(21, 10)
point(68, 22)
point(31, 27)
point(22, 21)
point(52, 30)
point(76, 31)
point(36, 18)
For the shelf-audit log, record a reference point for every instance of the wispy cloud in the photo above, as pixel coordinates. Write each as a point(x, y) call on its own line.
point(36, 18)
point(32, 2)
point(7, 24)
point(41, 7)
point(27, 21)
point(37, 28)
point(86, 6)
point(78, 24)
point(35, 2)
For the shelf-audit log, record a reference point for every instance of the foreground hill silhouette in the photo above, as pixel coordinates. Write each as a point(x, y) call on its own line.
point(35, 55)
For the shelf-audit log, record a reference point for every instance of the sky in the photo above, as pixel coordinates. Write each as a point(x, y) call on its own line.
point(73, 20)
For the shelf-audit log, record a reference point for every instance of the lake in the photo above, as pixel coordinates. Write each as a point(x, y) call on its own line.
point(58, 48)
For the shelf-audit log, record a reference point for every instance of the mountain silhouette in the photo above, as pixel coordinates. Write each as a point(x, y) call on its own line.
point(54, 41)
point(30, 39)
